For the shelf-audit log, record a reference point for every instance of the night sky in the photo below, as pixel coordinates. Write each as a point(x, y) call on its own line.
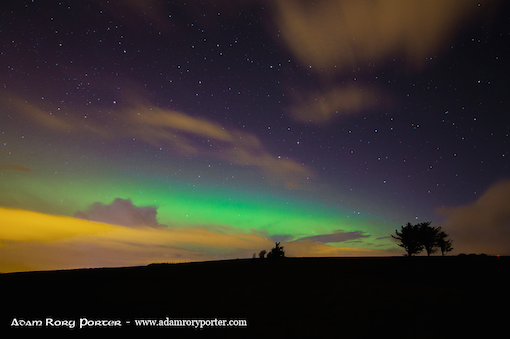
point(134, 131)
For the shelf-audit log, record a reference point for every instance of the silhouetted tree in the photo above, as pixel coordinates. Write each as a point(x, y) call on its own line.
point(262, 254)
point(415, 238)
point(409, 239)
point(277, 252)
point(428, 236)
point(444, 244)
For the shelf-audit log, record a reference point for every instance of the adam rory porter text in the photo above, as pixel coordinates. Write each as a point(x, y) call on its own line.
point(65, 323)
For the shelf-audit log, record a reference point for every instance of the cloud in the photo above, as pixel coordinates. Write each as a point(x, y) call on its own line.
point(336, 236)
point(345, 34)
point(178, 132)
point(33, 113)
point(11, 167)
point(381, 238)
point(198, 136)
point(310, 248)
point(121, 212)
point(482, 226)
point(163, 119)
point(319, 107)
point(281, 237)
point(50, 117)
point(293, 174)
point(333, 39)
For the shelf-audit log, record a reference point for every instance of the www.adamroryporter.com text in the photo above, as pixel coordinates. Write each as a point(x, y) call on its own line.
point(111, 323)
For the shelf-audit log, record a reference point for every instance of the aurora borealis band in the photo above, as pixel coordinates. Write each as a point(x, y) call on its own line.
point(134, 132)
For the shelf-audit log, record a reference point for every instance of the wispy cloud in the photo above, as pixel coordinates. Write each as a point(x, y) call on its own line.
point(310, 248)
point(336, 236)
point(319, 107)
point(164, 120)
point(50, 117)
point(175, 131)
point(200, 136)
point(33, 113)
point(482, 226)
point(12, 167)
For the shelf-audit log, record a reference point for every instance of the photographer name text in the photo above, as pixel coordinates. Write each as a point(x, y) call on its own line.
point(65, 323)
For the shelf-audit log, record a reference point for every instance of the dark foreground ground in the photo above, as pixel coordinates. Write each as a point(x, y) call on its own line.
point(296, 297)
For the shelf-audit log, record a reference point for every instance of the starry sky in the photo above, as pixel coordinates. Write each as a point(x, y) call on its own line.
point(135, 131)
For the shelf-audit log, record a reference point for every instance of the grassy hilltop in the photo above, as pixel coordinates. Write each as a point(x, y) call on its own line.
point(354, 296)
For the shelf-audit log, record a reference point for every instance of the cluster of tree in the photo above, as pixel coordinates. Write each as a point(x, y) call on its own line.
point(276, 253)
point(416, 238)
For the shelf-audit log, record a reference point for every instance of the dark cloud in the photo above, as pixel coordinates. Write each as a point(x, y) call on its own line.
point(336, 236)
point(281, 237)
point(482, 226)
point(381, 238)
point(121, 212)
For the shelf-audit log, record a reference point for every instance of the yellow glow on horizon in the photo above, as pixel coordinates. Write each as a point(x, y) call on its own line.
point(37, 241)
point(22, 225)
point(32, 241)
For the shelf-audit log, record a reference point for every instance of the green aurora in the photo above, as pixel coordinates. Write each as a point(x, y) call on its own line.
point(188, 205)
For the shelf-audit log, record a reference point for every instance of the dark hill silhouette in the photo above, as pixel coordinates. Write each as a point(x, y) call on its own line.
point(408, 297)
